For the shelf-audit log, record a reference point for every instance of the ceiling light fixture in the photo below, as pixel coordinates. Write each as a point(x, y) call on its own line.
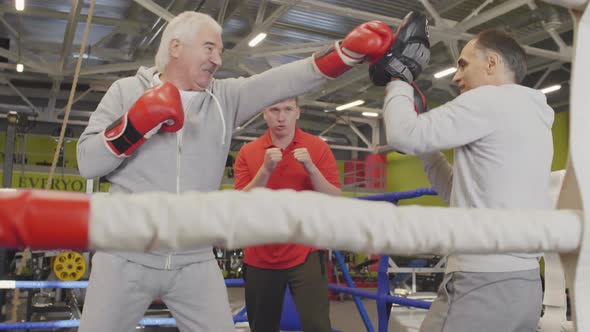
point(19, 5)
point(349, 105)
point(371, 114)
point(445, 72)
point(256, 40)
point(551, 88)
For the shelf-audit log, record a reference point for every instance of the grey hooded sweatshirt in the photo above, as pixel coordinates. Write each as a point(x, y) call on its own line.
point(192, 159)
point(503, 147)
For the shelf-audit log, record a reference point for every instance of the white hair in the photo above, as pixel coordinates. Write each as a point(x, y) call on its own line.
point(184, 27)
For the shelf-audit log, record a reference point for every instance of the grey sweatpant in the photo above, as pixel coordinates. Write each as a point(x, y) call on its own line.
point(120, 291)
point(486, 302)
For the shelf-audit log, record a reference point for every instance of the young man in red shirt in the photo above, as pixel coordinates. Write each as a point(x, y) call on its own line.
point(286, 157)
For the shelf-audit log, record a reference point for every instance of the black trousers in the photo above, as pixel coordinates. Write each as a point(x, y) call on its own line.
point(308, 283)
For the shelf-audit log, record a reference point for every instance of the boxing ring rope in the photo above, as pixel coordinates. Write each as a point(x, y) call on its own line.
point(396, 197)
point(356, 293)
point(381, 296)
point(69, 323)
point(72, 323)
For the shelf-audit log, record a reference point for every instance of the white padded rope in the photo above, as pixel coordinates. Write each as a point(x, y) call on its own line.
point(235, 219)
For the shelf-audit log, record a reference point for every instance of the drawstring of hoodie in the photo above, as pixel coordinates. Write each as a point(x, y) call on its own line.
point(220, 111)
point(157, 80)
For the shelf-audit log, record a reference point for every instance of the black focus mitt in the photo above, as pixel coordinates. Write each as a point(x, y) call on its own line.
point(408, 55)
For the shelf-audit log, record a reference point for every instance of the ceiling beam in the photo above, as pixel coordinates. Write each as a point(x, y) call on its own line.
point(70, 33)
point(477, 10)
point(343, 118)
point(8, 27)
point(156, 9)
point(314, 5)
point(27, 62)
point(115, 67)
point(448, 5)
point(107, 37)
point(234, 53)
point(436, 31)
point(78, 98)
point(176, 6)
point(233, 8)
point(356, 130)
point(551, 28)
point(66, 50)
point(331, 106)
point(261, 11)
point(43, 93)
point(48, 13)
point(23, 97)
point(223, 4)
point(451, 45)
point(490, 14)
point(332, 146)
point(563, 55)
point(53, 92)
point(30, 76)
point(286, 49)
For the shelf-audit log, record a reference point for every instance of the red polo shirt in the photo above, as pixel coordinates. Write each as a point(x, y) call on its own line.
point(289, 174)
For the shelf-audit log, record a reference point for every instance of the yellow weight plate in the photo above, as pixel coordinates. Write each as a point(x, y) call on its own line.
point(69, 266)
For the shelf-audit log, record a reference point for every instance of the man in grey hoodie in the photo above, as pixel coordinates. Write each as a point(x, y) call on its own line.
point(169, 129)
point(501, 135)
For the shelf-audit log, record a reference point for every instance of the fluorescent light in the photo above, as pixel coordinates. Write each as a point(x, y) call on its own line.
point(445, 72)
point(371, 114)
point(550, 89)
point(76, 55)
point(257, 39)
point(20, 67)
point(323, 138)
point(19, 5)
point(349, 105)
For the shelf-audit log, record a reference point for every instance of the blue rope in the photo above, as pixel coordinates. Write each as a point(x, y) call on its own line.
point(394, 197)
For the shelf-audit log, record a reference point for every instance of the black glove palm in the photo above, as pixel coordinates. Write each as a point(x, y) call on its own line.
point(408, 55)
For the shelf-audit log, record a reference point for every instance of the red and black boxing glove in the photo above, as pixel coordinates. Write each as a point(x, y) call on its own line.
point(159, 108)
point(366, 42)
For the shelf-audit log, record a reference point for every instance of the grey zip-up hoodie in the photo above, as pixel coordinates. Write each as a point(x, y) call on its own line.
point(194, 158)
point(503, 147)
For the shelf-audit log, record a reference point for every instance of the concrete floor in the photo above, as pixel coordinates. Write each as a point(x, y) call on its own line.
point(345, 317)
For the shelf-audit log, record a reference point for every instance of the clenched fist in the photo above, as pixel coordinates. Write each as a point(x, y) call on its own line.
point(302, 156)
point(272, 158)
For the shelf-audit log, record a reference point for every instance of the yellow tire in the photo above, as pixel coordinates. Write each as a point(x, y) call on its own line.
point(69, 266)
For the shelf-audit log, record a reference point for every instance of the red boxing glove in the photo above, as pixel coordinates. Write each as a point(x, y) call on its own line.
point(367, 42)
point(44, 220)
point(159, 108)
